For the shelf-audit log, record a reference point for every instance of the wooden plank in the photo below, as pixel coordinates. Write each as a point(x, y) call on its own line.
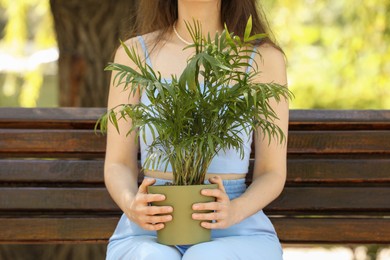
point(332, 170)
point(59, 229)
point(339, 120)
point(311, 200)
point(297, 117)
point(50, 142)
point(305, 170)
point(332, 142)
point(49, 118)
point(51, 171)
point(56, 199)
point(324, 169)
point(83, 141)
point(342, 117)
point(290, 230)
point(332, 199)
point(333, 230)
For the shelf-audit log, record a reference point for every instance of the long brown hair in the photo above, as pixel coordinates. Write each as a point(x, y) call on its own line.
point(153, 15)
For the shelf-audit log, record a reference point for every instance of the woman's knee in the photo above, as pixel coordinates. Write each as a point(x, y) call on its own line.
point(160, 252)
point(144, 248)
point(237, 248)
point(209, 250)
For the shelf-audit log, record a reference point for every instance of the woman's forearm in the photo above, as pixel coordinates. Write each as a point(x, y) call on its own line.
point(262, 191)
point(121, 183)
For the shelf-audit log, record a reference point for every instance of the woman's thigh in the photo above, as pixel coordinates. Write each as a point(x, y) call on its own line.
point(258, 247)
point(140, 248)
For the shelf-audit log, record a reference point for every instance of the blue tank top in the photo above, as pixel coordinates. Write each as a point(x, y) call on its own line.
point(228, 161)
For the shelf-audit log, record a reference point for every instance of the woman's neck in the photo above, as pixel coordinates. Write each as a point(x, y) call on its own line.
point(208, 13)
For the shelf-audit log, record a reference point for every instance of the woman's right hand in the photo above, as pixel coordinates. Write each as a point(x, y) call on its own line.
point(146, 216)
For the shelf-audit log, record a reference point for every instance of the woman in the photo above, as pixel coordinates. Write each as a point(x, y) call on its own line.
point(240, 230)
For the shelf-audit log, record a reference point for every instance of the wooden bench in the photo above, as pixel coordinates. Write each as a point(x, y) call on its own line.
point(52, 190)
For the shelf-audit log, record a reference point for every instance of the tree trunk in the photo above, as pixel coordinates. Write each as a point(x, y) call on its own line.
point(88, 34)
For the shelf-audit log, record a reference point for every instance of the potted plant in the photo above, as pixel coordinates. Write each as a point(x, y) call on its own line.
point(198, 114)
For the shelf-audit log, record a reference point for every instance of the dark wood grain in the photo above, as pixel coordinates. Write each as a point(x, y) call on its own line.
point(51, 171)
point(297, 117)
point(52, 184)
point(19, 115)
point(48, 143)
point(338, 170)
point(57, 229)
point(54, 142)
point(328, 142)
point(290, 230)
point(315, 201)
point(319, 200)
point(339, 120)
point(333, 230)
point(56, 199)
point(341, 117)
point(304, 170)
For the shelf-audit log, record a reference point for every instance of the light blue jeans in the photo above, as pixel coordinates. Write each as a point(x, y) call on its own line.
point(253, 238)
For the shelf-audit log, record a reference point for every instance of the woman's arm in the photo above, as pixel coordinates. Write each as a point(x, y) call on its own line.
point(269, 172)
point(121, 163)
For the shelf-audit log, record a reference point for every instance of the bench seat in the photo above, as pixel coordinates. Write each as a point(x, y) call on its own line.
point(52, 188)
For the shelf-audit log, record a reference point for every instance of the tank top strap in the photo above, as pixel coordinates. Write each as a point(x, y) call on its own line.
point(250, 62)
point(145, 49)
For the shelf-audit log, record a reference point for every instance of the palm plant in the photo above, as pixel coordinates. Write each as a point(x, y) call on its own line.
point(195, 116)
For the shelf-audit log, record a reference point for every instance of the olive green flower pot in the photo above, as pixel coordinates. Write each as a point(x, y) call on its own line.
point(182, 230)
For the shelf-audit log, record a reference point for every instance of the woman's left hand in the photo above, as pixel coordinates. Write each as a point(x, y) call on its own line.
point(223, 213)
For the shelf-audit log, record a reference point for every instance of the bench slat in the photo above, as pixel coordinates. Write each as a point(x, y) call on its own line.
point(49, 143)
point(337, 170)
point(52, 142)
point(50, 118)
point(339, 119)
point(333, 230)
point(290, 230)
point(292, 199)
point(54, 199)
point(51, 171)
point(323, 199)
point(331, 142)
point(60, 229)
point(66, 117)
point(303, 170)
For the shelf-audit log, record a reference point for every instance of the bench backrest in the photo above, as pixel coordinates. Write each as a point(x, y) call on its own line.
point(52, 189)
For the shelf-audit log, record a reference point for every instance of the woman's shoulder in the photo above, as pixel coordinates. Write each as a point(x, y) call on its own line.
point(271, 53)
point(148, 38)
point(135, 43)
point(271, 61)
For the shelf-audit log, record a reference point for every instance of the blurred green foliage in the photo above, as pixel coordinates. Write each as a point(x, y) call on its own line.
point(338, 51)
point(28, 29)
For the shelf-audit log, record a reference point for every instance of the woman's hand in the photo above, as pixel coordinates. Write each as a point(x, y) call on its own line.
point(223, 213)
point(146, 216)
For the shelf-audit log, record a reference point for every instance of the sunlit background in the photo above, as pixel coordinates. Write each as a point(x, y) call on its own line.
point(338, 58)
point(338, 52)
point(28, 54)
